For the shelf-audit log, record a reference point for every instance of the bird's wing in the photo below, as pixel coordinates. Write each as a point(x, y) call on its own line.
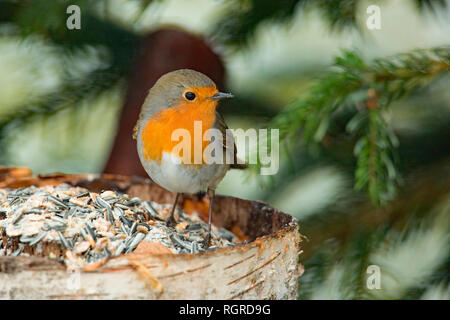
point(135, 131)
point(227, 135)
point(136, 126)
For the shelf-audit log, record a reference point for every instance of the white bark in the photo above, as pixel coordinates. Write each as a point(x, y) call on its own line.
point(266, 268)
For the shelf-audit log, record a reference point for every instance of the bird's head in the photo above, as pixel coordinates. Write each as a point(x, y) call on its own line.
point(183, 87)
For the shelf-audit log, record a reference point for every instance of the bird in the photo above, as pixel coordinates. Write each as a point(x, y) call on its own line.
point(184, 99)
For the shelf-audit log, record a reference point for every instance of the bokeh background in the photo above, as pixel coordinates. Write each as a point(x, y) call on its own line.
point(69, 100)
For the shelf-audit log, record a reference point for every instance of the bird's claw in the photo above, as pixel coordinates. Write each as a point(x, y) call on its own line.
point(171, 222)
point(207, 241)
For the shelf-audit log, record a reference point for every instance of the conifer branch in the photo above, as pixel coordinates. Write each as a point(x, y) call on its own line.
point(368, 89)
point(243, 17)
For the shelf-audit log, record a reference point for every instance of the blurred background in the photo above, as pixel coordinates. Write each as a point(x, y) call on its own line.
point(364, 115)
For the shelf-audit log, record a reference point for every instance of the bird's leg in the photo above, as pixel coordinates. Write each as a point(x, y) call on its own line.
point(171, 221)
point(207, 240)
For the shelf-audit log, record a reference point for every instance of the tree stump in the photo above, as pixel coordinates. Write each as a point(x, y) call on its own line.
point(266, 267)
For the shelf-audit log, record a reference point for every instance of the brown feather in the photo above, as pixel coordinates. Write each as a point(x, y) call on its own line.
point(222, 126)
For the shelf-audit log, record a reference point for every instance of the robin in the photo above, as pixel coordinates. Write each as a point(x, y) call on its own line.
point(183, 99)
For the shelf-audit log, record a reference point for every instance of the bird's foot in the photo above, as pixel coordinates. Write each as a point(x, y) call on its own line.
point(171, 222)
point(207, 241)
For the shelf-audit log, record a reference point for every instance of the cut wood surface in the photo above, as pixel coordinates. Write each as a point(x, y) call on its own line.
point(264, 268)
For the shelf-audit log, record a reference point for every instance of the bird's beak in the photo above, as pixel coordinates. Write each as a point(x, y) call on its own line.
point(221, 95)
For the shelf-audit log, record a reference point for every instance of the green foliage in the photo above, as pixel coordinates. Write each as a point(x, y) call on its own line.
point(367, 89)
point(117, 44)
point(242, 17)
point(411, 263)
point(431, 4)
point(375, 158)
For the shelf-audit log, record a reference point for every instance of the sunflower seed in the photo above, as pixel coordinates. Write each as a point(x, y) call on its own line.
point(137, 239)
point(57, 202)
point(81, 214)
point(126, 221)
point(110, 199)
point(110, 215)
point(26, 239)
point(120, 249)
point(38, 238)
point(72, 211)
point(17, 217)
point(150, 209)
point(35, 211)
point(83, 233)
point(107, 252)
point(58, 219)
point(56, 226)
point(194, 226)
point(118, 211)
point(176, 240)
point(124, 229)
point(194, 247)
point(132, 202)
point(82, 194)
point(121, 206)
point(128, 241)
point(71, 244)
point(133, 227)
point(63, 240)
point(16, 199)
point(90, 230)
point(17, 252)
point(102, 203)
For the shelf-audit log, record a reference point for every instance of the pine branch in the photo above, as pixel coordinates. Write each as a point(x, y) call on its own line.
point(119, 44)
point(431, 4)
point(368, 89)
point(351, 238)
point(375, 167)
point(95, 31)
point(72, 92)
point(243, 17)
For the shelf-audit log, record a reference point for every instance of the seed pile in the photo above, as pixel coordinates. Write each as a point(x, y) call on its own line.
point(86, 227)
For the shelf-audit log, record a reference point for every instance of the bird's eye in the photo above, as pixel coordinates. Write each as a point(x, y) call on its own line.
point(189, 95)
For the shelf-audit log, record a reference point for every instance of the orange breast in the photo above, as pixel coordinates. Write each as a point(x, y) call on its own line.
point(157, 132)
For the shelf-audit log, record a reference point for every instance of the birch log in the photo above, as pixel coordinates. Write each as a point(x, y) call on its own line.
point(266, 267)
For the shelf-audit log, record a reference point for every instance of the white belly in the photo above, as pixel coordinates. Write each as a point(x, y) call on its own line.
point(182, 178)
